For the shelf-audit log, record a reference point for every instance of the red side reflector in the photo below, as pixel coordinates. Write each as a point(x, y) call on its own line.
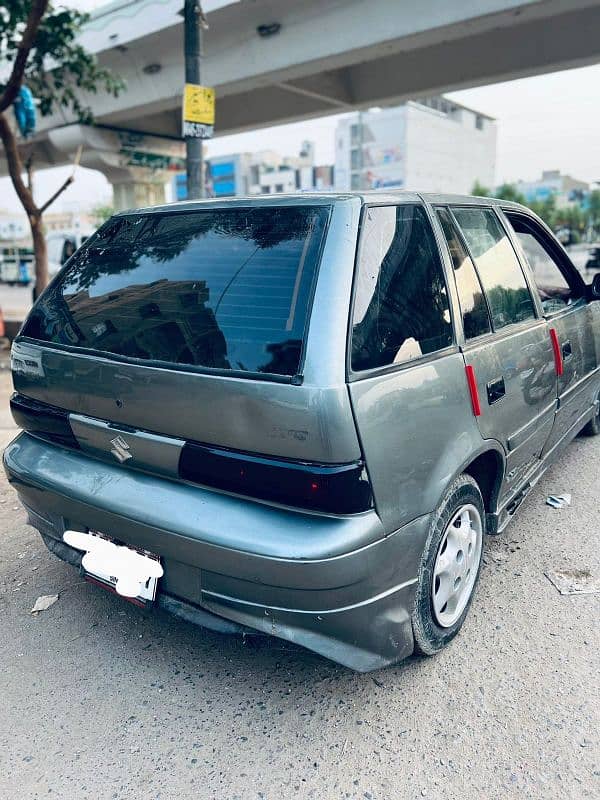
point(473, 391)
point(558, 361)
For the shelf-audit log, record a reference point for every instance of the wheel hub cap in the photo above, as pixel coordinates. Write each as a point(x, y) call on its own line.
point(456, 565)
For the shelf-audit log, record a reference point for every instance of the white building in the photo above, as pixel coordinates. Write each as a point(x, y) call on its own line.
point(433, 145)
point(275, 180)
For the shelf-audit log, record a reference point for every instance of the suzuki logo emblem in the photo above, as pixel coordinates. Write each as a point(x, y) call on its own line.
point(120, 449)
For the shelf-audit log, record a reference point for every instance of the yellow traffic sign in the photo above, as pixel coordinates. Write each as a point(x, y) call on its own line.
point(198, 104)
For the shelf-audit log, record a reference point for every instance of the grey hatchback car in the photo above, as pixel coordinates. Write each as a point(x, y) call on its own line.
point(301, 415)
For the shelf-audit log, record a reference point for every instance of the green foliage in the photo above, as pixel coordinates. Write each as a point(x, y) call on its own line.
point(102, 213)
point(574, 218)
point(594, 210)
point(579, 220)
point(58, 69)
point(480, 191)
point(545, 209)
point(508, 191)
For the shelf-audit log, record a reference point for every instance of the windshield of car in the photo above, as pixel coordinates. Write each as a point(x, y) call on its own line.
point(217, 288)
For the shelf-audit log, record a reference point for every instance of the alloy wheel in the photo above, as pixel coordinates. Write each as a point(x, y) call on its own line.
point(456, 565)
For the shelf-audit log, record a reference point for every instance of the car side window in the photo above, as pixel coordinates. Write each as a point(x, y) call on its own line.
point(552, 286)
point(401, 306)
point(501, 275)
point(475, 313)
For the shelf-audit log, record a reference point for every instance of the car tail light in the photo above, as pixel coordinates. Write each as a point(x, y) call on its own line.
point(43, 420)
point(335, 488)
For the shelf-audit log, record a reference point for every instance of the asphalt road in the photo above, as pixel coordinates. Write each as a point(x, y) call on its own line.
point(99, 699)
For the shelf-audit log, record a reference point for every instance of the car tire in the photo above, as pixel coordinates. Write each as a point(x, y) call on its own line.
point(450, 566)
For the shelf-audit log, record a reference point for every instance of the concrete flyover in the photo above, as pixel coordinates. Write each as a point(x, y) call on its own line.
point(327, 56)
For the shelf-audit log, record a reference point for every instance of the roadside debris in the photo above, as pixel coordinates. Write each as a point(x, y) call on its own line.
point(558, 500)
point(574, 581)
point(44, 602)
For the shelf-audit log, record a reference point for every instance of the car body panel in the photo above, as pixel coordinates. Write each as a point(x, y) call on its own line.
point(411, 450)
point(522, 419)
point(306, 422)
point(220, 551)
point(579, 383)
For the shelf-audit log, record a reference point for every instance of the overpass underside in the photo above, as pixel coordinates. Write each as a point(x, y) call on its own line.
point(390, 72)
point(329, 56)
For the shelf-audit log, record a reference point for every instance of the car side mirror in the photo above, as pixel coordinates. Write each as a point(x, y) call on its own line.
point(594, 288)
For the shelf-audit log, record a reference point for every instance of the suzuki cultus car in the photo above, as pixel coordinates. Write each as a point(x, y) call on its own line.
point(301, 415)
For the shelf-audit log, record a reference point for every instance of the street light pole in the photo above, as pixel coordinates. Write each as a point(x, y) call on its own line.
point(193, 56)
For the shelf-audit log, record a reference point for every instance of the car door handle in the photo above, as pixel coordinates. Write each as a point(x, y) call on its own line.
point(496, 390)
point(567, 350)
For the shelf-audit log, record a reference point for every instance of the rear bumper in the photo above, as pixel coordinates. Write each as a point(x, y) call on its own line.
point(337, 585)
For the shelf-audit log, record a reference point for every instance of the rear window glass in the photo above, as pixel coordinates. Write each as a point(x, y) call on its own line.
point(401, 308)
point(227, 289)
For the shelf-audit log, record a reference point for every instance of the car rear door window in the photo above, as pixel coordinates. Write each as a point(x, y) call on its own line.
point(501, 275)
point(553, 288)
point(475, 312)
point(218, 288)
point(401, 308)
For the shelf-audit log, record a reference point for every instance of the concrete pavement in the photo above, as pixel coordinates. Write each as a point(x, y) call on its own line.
point(99, 699)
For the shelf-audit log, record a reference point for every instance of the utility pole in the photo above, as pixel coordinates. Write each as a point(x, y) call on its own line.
point(193, 56)
point(361, 177)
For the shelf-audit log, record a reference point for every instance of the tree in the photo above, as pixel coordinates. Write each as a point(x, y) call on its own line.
point(545, 209)
point(38, 43)
point(480, 191)
point(508, 191)
point(593, 212)
point(573, 218)
point(102, 213)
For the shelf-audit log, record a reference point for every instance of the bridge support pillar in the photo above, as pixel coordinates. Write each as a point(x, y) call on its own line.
point(138, 165)
point(136, 193)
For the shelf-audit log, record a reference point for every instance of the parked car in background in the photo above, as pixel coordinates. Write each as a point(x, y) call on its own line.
point(593, 261)
point(301, 416)
point(61, 246)
point(16, 265)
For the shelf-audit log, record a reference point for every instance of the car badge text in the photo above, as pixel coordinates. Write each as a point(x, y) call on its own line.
point(120, 449)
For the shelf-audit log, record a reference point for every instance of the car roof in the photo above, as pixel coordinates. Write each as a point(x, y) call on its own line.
point(374, 197)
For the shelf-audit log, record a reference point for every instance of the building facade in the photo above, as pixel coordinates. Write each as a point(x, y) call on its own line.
point(13, 227)
point(567, 191)
point(264, 172)
point(433, 145)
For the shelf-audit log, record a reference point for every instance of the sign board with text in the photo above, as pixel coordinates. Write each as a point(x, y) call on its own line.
point(198, 111)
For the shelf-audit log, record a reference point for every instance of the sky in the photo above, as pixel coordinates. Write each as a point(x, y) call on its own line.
point(546, 122)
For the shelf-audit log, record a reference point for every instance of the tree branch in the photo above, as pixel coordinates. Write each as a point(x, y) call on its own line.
point(36, 13)
point(67, 183)
point(29, 172)
point(15, 168)
point(57, 193)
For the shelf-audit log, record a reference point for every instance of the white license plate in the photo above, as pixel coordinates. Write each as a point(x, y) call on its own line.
point(129, 572)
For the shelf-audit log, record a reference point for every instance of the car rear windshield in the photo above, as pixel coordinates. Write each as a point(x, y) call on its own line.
point(225, 289)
